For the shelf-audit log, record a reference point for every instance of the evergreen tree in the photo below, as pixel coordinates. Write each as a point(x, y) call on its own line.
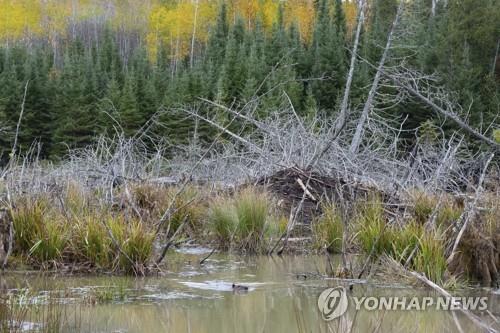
point(131, 119)
point(329, 66)
point(233, 76)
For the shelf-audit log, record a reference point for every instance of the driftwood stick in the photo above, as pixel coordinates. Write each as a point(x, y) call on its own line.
point(292, 221)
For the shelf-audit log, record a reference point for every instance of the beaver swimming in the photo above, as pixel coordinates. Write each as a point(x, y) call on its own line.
point(238, 287)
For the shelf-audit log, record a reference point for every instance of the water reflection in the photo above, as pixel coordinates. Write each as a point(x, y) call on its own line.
point(282, 297)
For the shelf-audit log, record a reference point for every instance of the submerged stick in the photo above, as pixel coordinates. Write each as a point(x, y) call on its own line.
point(202, 261)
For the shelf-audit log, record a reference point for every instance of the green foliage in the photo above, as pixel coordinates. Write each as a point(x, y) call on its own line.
point(328, 229)
point(430, 259)
point(82, 87)
point(242, 220)
point(496, 135)
point(223, 221)
point(372, 230)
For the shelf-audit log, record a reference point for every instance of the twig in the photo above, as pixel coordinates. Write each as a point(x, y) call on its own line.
point(202, 261)
point(170, 241)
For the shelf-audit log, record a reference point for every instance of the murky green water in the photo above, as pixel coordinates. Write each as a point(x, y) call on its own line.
point(194, 298)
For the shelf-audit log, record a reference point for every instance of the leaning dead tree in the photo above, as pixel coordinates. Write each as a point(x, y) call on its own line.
point(356, 140)
point(341, 120)
point(425, 90)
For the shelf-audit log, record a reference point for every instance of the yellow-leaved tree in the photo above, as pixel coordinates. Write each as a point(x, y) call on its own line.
point(19, 18)
point(179, 25)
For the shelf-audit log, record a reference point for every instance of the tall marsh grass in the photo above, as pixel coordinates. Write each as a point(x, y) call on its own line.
point(77, 233)
point(409, 244)
point(241, 221)
point(372, 232)
point(22, 312)
point(328, 229)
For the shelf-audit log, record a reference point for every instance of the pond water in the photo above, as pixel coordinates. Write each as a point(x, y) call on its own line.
point(281, 297)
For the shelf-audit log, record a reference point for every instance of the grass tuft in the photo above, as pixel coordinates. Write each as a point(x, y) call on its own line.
point(252, 210)
point(240, 221)
point(372, 230)
point(328, 229)
point(223, 221)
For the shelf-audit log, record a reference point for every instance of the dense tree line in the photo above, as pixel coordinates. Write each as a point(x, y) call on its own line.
point(87, 87)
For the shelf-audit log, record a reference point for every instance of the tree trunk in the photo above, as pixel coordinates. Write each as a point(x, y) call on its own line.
point(446, 113)
point(342, 118)
point(356, 140)
point(343, 108)
point(191, 56)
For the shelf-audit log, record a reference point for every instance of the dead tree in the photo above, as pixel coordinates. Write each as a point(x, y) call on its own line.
point(356, 140)
point(342, 118)
point(425, 94)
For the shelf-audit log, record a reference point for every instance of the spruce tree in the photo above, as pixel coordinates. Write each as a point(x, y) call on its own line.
point(131, 119)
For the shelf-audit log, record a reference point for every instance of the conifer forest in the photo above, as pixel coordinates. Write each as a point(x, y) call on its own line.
point(250, 166)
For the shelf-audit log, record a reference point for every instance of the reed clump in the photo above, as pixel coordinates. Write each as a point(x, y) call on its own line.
point(328, 229)
point(373, 234)
point(40, 234)
point(241, 222)
point(74, 231)
point(408, 243)
point(186, 206)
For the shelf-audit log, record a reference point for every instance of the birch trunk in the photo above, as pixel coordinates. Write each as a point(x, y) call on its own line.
point(191, 56)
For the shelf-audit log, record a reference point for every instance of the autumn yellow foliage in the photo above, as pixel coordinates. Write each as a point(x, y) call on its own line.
point(176, 24)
